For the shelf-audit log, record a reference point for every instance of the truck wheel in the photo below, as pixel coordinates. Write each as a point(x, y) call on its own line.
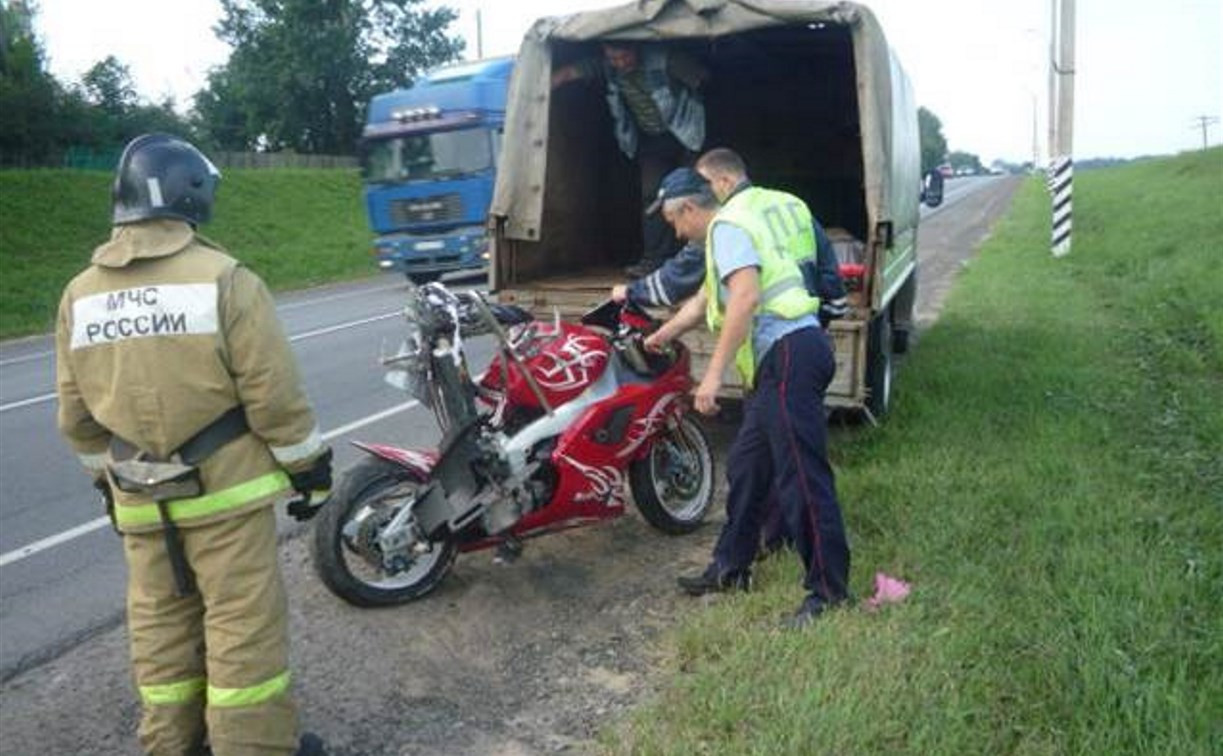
point(900, 340)
point(879, 366)
point(902, 311)
point(420, 279)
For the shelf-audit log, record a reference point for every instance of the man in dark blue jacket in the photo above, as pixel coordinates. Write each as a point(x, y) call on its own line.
point(680, 277)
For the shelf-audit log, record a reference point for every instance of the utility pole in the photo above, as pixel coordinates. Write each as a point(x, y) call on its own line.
point(1035, 138)
point(1203, 122)
point(479, 36)
point(1062, 148)
point(1051, 137)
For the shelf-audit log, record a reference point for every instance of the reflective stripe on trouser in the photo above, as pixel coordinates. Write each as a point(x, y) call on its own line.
point(783, 438)
point(227, 666)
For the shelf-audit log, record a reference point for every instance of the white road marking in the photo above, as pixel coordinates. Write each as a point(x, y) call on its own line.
point(344, 326)
point(27, 402)
point(340, 295)
point(27, 358)
point(298, 337)
point(53, 541)
point(49, 542)
point(279, 308)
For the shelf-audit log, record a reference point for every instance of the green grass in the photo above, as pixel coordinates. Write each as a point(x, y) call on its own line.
point(295, 228)
point(1051, 483)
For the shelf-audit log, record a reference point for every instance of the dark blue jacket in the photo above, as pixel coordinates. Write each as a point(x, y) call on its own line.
point(681, 276)
point(827, 284)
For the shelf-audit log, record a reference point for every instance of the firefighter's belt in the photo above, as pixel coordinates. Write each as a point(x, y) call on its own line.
point(160, 481)
point(177, 476)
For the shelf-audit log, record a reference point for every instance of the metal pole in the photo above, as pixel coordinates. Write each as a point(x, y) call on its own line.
point(1051, 141)
point(1065, 85)
point(1035, 138)
point(1203, 122)
point(1063, 174)
point(479, 35)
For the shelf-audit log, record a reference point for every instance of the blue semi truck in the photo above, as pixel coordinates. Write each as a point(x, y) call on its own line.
point(428, 161)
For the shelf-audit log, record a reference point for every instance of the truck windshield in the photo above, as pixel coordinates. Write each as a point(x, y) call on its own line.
point(444, 154)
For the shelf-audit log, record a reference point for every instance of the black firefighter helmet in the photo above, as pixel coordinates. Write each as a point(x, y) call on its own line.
point(162, 176)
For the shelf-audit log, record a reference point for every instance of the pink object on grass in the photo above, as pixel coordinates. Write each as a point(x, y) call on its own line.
point(888, 590)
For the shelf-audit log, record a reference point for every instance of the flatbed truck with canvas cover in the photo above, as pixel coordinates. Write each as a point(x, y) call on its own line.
point(809, 93)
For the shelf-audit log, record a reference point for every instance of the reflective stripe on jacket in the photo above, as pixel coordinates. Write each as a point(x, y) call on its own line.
point(158, 338)
point(781, 234)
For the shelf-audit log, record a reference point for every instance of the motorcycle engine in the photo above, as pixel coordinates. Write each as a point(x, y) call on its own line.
point(511, 496)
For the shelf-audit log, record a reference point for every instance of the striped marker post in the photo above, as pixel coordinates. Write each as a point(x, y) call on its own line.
point(1063, 178)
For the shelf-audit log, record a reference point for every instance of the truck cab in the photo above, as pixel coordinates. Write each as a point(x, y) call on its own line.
point(428, 163)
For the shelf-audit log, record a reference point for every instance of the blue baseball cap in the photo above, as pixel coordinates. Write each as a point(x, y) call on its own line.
point(681, 182)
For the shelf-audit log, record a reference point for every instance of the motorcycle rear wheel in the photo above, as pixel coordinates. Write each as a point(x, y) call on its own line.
point(373, 488)
point(673, 483)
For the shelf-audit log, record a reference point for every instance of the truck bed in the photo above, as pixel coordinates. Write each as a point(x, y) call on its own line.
point(574, 293)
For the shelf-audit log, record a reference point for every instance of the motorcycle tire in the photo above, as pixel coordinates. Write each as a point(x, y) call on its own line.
point(366, 485)
point(673, 483)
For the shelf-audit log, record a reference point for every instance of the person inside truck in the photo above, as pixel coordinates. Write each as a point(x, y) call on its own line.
point(754, 298)
point(658, 117)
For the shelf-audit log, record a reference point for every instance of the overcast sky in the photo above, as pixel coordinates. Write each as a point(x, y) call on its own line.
point(1145, 70)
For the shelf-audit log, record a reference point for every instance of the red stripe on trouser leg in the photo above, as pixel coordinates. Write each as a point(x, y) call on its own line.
point(810, 501)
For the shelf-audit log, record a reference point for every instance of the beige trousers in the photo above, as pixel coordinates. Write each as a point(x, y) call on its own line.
point(214, 664)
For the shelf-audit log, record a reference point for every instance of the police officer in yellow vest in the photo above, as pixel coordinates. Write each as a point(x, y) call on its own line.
point(179, 392)
point(754, 298)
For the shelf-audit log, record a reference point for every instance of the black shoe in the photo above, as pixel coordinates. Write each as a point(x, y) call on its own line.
point(710, 581)
point(805, 616)
point(311, 745)
point(810, 610)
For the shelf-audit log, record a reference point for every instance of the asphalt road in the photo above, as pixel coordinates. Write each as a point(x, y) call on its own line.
point(61, 571)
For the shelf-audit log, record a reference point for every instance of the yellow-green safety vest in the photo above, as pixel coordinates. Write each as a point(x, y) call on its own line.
point(779, 226)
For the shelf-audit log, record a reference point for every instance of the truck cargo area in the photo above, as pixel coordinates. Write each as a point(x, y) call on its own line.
point(784, 98)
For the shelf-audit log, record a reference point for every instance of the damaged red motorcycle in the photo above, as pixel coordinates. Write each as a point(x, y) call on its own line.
point(566, 420)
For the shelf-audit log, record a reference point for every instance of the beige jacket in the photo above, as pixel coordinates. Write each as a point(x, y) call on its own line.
point(158, 338)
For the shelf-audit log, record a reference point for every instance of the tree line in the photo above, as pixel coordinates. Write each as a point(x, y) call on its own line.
point(298, 77)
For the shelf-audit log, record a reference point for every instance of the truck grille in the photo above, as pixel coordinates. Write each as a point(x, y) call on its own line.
point(439, 208)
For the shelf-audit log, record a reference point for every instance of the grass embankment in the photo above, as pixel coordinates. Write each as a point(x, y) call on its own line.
point(294, 228)
point(1052, 485)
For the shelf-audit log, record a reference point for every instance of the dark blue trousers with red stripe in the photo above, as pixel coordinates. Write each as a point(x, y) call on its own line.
point(784, 441)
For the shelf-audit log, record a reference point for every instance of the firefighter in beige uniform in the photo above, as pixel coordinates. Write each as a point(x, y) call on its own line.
point(178, 390)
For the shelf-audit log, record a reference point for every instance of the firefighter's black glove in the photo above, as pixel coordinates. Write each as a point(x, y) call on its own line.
point(313, 486)
point(102, 486)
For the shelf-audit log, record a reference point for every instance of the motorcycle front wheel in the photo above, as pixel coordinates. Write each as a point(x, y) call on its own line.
point(673, 483)
point(346, 553)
